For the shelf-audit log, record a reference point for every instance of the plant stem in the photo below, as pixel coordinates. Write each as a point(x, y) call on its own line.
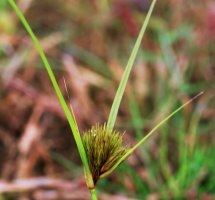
point(93, 194)
point(71, 120)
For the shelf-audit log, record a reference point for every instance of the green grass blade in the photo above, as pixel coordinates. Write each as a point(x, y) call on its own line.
point(124, 80)
point(66, 110)
point(131, 150)
point(163, 121)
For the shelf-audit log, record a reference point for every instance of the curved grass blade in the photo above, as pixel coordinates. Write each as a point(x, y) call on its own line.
point(124, 80)
point(131, 150)
point(66, 110)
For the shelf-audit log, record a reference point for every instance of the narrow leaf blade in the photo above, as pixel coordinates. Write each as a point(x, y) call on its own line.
point(124, 80)
point(131, 150)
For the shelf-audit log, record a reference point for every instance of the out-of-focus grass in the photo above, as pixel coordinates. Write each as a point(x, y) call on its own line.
point(90, 59)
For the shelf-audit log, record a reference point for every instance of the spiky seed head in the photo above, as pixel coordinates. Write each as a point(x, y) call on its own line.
point(104, 148)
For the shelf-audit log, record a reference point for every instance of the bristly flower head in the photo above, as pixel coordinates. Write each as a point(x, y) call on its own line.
point(104, 148)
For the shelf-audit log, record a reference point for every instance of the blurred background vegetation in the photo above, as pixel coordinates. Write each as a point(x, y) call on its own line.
point(88, 43)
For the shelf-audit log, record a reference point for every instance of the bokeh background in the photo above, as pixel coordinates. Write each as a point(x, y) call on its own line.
point(88, 44)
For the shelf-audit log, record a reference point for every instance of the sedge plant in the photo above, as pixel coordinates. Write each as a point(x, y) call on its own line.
point(101, 148)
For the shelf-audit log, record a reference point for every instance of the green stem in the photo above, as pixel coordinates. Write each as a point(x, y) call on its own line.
point(93, 194)
point(63, 103)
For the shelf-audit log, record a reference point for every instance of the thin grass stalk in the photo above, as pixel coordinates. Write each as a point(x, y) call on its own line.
point(93, 194)
point(63, 103)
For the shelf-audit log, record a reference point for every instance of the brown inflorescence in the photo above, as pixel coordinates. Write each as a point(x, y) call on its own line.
point(104, 149)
